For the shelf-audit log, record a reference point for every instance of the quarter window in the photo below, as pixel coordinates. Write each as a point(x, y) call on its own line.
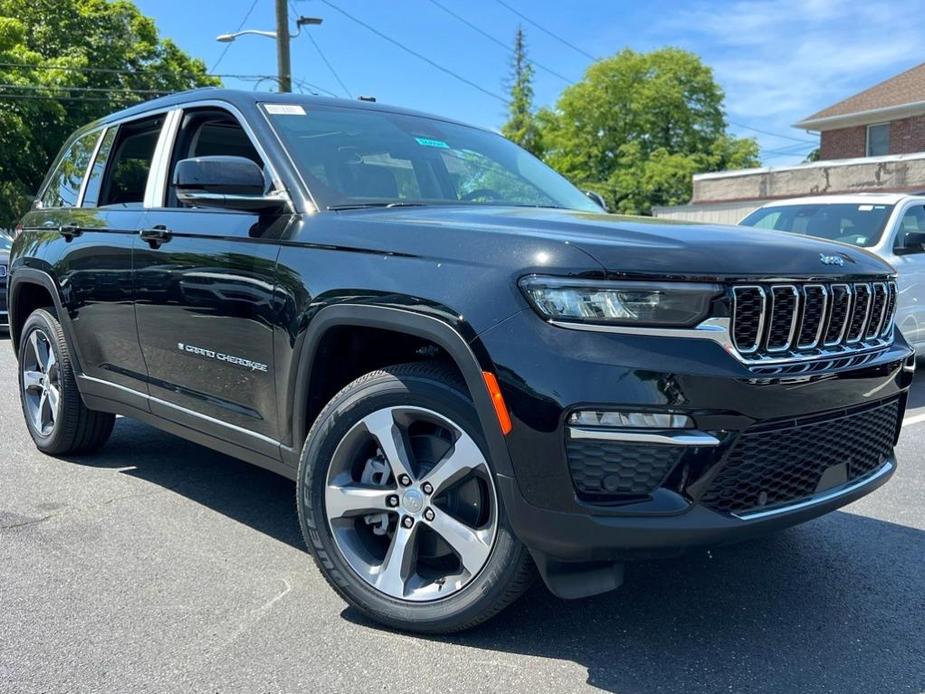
point(95, 179)
point(64, 185)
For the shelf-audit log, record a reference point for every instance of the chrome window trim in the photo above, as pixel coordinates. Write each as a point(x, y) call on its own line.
point(761, 317)
point(829, 495)
point(278, 184)
point(156, 186)
point(820, 331)
point(681, 437)
point(793, 318)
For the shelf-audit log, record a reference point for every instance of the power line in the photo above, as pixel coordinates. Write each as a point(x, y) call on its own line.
point(547, 31)
point(330, 67)
point(498, 41)
point(240, 26)
point(417, 55)
point(770, 134)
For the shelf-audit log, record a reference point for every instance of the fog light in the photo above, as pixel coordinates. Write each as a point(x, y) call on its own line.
point(630, 420)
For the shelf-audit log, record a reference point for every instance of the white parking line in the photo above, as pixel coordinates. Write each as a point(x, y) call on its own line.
point(914, 419)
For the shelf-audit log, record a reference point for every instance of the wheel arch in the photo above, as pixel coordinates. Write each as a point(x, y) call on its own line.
point(412, 324)
point(29, 289)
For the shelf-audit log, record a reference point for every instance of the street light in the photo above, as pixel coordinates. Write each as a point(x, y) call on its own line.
point(284, 63)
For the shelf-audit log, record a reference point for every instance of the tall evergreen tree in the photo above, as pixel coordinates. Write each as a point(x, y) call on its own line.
point(521, 125)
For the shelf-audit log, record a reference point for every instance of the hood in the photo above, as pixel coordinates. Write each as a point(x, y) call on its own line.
point(628, 246)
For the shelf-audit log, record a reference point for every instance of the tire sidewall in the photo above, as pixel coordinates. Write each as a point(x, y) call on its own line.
point(44, 321)
point(355, 402)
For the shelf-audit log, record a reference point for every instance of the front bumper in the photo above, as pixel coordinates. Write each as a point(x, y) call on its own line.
point(547, 372)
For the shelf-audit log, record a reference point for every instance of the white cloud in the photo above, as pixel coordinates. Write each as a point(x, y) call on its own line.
point(782, 60)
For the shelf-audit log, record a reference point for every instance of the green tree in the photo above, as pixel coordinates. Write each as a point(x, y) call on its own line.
point(69, 62)
point(638, 126)
point(521, 124)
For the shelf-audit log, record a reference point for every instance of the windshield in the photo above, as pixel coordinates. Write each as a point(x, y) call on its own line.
point(355, 158)
point(860, 224)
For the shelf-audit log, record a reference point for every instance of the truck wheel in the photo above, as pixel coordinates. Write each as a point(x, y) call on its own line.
point(397, 501)
point(58, 420)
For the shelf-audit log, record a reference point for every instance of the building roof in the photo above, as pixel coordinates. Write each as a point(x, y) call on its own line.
point(897, 97)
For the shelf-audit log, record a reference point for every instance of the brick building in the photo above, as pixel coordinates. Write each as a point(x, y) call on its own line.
point(888, 118)
point(873, 141)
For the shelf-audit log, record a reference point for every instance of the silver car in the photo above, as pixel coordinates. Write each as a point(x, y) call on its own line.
point(891, 225)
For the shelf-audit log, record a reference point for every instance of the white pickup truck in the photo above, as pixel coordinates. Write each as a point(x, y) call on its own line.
point(892, 225)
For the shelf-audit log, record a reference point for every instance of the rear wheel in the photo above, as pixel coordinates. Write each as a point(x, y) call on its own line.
point(55, 414)
point(397, 499)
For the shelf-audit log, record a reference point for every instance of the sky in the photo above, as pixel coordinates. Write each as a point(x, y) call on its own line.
point(778, 61)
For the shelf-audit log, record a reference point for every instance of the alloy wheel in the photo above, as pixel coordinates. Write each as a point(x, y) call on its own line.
point(41, 383)
point(411, 503)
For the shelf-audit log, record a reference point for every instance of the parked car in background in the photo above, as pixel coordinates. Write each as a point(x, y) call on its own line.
point(889, 225)
point(5, 244)
point(470, 371)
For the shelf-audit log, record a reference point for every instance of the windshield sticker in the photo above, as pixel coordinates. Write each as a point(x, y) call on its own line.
point(284, 109)
point(865, 208)
point(430, 142)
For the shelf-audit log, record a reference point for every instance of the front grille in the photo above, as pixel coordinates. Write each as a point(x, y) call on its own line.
point(784, 463)
point(606, 469)
point(777, 322)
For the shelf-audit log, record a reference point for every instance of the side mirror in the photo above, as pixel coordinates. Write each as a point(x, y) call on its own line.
point(597, 198)
point(913, 242)
point(234, 183)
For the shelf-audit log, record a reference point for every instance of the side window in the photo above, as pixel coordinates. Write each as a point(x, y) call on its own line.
point(911, 233)
point(129, 163)
point(95, 179)
point(64, 184)
point(207, 133)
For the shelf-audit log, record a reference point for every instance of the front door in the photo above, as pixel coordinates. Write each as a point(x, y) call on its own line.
point(204, 290)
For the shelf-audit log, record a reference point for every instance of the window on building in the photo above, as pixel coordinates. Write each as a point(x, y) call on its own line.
point(878, 140)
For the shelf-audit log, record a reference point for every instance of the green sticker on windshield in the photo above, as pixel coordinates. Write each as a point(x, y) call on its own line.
point(428, 142)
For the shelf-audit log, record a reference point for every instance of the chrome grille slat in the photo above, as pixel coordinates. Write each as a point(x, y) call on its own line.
point(776, 323)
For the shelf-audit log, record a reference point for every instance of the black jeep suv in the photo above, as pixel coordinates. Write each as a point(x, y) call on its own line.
point(469, 369)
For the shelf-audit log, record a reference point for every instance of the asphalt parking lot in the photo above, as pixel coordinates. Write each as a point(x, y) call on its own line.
point(158, 565)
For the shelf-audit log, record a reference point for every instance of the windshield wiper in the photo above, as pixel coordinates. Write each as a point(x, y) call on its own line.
point(368, 205)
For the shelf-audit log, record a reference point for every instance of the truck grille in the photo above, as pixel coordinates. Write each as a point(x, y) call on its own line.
point(784, 463)
point(800, 320)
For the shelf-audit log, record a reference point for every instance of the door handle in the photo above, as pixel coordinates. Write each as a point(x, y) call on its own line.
point(69, 231)
point(155, 236)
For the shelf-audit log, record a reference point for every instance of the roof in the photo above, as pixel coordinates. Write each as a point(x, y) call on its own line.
point(849, 198)
point(240, 98)
point(898, 96)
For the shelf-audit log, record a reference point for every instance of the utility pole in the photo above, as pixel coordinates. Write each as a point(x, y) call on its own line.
point(284, 64)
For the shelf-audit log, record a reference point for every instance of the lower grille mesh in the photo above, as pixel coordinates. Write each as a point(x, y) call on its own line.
point(603, 469)
point(785, 464)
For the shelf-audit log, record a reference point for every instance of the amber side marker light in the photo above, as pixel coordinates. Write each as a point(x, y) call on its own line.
point(504, 419)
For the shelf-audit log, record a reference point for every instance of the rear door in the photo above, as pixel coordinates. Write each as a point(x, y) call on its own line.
point(84, 228)
point(204, 297)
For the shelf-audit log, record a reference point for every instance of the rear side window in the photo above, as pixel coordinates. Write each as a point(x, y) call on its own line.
point(64, 185)
point(129, 163)
point(95, 179)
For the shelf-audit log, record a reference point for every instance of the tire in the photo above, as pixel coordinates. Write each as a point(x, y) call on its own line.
point(70, 428)
point(432, 399)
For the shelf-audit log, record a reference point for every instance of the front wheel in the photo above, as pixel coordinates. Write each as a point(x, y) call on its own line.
point(397, 500)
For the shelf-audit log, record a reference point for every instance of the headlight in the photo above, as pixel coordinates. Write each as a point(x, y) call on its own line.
point(667, 304)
